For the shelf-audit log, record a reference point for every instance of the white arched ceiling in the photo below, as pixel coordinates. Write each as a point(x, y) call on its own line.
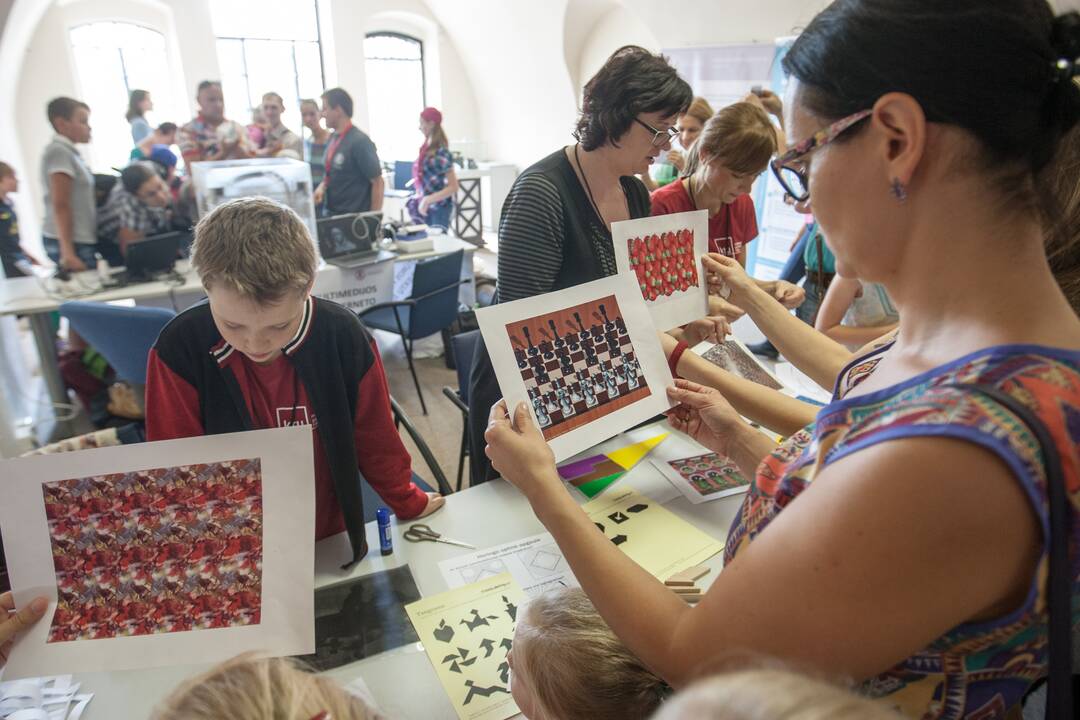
point(581, 19)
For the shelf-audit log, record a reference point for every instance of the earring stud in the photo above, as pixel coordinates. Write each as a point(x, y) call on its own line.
point(899, 190)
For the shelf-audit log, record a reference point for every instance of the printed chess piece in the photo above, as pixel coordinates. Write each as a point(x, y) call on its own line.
point(519, 354)
point(621, 324)
point(541, 414)
point(550, 403)
point(596, 331)
point(612, 383)
point(583, 334)
point(528, 338)
point(608, 325)
point(547, 350)
point(598, 383)
point(564, 403)
point(571, 339)
point(575, 393)
point(631, 374)
point(620, 374)
point(559, 342)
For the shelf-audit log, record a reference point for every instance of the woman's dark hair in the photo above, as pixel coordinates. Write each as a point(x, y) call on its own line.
point(633, 81)
point(990, 67)
point(136, 97)
point(134, 175)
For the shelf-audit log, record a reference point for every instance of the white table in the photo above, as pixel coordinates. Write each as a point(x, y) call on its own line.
point(27, 296)
point(403, 682)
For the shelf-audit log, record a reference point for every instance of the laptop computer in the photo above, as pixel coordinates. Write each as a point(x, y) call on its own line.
point(352, 240)
point(152, 256)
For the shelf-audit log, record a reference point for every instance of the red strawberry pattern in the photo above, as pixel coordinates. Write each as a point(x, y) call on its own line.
point(664, 263)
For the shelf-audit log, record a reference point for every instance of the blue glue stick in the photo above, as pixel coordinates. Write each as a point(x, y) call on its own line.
point(386, 542)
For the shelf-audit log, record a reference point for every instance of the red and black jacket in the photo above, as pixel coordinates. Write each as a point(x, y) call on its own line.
point(332, 353)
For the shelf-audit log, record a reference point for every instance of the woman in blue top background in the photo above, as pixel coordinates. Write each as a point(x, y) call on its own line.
point(139, 103)
point(434, 180)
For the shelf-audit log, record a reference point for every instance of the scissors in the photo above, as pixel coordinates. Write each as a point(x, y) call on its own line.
point(421, 533)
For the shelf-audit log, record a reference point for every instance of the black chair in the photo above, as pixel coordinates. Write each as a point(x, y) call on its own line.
point(464, 347)
point(432, 306)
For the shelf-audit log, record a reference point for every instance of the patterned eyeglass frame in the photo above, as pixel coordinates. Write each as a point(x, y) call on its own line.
point(663, 136)
point(818, 140)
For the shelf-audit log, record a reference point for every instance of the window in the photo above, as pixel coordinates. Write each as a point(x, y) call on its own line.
point(394, 67)
point(268, 46)
point(111, 60)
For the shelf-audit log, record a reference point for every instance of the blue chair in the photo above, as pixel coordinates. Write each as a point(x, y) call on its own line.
point(432, 306)
point(464, 347)
point(123, 335)
point(402, 175)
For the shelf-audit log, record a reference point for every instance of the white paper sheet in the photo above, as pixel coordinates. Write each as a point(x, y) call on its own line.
point(140, 498)
point(45, 698)
point(669, 304)
point(800, 383)
point(526, 325)
point(536, 564)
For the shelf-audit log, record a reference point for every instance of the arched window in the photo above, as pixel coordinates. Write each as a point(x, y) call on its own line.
point(111, 60)
point(268, 46)
point(394, 67)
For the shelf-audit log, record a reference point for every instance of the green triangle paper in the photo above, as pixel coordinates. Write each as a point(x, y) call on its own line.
point(595, 487)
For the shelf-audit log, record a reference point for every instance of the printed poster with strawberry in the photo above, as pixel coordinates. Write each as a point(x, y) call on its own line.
point(664, 253)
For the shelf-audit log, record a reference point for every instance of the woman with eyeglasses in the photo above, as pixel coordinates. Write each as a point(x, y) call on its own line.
point(729, 154)
point(555, 230)
point(903, 540)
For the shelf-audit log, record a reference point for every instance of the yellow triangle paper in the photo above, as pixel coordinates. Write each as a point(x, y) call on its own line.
point(629, 456)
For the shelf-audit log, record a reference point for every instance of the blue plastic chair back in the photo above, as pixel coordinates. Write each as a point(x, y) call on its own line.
point(463, 345)
point(402, 175)
point(123, 335)
point(434, 313)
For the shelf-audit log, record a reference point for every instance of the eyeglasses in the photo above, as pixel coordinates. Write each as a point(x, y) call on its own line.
point(790, 170)
point(660, 137)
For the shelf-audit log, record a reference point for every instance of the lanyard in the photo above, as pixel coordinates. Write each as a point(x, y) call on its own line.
point(338, 136)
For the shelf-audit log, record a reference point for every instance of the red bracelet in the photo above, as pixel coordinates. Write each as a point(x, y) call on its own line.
point(676, 354)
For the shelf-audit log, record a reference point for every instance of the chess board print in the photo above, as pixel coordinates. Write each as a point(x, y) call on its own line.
point(156, 551)
point(664, 263)
point(709, 474)
point(578, 364)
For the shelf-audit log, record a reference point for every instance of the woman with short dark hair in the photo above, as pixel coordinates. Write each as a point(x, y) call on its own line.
point(555, 230)
point(905, 539)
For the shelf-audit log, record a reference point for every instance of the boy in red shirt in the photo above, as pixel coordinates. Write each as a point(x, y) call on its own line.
point(262, 352)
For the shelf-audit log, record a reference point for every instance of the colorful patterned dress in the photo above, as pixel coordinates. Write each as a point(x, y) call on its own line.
point(976, 670)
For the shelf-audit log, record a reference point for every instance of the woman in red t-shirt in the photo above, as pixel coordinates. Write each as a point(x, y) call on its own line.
point(733, 149)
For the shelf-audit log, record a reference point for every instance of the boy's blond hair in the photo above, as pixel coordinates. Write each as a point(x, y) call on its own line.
point(575, 665)
point(741, 137)
point(257, 247)
point(253, 688)
point(771, 694)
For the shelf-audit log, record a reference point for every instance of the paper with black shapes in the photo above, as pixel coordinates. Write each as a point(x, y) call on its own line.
point(652, 536)
point(362, 617)
point(472, 665)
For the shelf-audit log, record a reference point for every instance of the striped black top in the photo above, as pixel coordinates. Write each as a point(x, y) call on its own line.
point(550, 236)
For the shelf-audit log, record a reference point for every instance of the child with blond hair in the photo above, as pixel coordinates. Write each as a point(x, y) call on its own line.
point(566, 664)
point(263, 352)
point(254, 688)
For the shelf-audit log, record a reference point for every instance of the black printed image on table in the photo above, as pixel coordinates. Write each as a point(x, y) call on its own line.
point(578, 364)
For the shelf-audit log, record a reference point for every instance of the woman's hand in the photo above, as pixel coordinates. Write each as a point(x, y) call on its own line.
point(677, 159)
point(703, 414)
point(424, 205)
point(788, 294)
point(719, 307)
point(12, 623)
point(724, 273)
point(713, 329)
point(519, 452)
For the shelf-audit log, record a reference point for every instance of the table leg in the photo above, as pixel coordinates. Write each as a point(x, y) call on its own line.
point(45, 340)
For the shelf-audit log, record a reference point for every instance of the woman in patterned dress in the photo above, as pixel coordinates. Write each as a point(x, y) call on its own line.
point(915, 558)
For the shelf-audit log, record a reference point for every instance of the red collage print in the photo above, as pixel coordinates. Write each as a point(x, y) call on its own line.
point(665, 263)
point(156, 551)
